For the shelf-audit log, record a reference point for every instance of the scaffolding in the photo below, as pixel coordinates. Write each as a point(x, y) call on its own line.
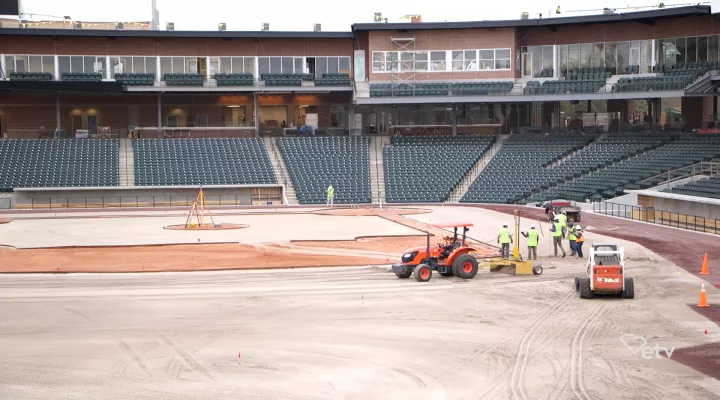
point(402, 69)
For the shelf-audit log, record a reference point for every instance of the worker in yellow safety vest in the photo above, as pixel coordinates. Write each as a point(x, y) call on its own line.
point(571, 230)
point(330, 196)
point(532, 242)
point(558, 232)
point(562, 218)
point(505, 238)
point(557, 10)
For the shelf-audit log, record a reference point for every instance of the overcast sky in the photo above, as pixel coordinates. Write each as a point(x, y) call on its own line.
point(289, 15)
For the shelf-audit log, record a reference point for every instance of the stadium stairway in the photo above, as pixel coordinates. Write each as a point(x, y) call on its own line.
point(459, 191)
point(377, 167)
point(127, 163)
point(281, 171)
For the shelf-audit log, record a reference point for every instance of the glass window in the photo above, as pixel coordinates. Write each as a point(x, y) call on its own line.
point(702, 48)
point(562, 60)
point(338, 117)
point(165, 66)
point(150, 65)
point(407, 61)
point(48, 64)
point(332, 65)
point(421, 61)
point(76, 64)
point(287, 65)
point(378, 61)
point(35, 64)
point(320, 67)
point(598, 56)
point(63, 64)
point(586, 51)
point(713, 48)
point(138, 65)
point(623, 57)
point(502, 59)
point(669, 51)
point(487, 59)
point(470, 60)
point(610, 59)
point(680, 46)
point(178, 65)
point(21, 63)
point(275, 65)
point(299, 68)
point(391, 61)
point(264, 65)
point(96, 65)
point(9, 64)
point(226, 65)
point(573, 56)
point(537, 60)
point(646, 56)
point(214, 66)
point(457, 61)
point(547, 54)
point(691, 49)
point(437, 61)
point(191, 65)
point(344, 66)
point(249, 65)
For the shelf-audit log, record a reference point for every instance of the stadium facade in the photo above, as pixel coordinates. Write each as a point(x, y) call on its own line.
point(652, 67)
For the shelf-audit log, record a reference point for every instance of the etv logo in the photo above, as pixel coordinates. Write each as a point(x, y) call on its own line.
point(638, 344)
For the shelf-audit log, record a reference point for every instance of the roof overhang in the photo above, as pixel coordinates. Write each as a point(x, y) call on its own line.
point(241, 89)
point(228, 35)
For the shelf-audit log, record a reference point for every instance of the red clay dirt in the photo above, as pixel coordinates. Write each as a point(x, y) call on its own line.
point(5, 220)
point(193, 257)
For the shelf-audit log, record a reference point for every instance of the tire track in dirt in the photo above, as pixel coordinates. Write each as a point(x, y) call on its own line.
point(577, 383)
point(191, 361)
point(524, 350)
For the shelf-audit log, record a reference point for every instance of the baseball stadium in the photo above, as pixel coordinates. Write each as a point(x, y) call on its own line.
point(496, 209)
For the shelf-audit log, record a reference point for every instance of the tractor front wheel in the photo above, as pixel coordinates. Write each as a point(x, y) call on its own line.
point(585, 290)
point(422, 273)
point(465, 266)
point(629, 291)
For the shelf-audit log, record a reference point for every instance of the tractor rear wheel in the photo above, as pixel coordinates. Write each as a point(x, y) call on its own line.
point(404, 275)
point(629, 291)
point(585, 290)
point(422, 273)
point(465, 266)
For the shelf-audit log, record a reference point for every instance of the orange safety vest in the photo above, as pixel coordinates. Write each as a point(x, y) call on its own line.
point(580, 238)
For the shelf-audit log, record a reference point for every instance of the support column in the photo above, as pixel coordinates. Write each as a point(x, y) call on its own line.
point(256, 112)
point(351, 119)
point(108, 68)
point(159, 114)
point(158, 78)
point(57, 68)
point(714, 110)
point(454, 119)
point(57, 112)
point(4, 67)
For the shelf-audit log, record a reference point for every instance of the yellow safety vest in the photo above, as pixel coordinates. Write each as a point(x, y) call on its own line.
point(562, 218)
point(331, 193)
point(533, 238)
point(571, 234)
point(504, 235)
point(558, 229)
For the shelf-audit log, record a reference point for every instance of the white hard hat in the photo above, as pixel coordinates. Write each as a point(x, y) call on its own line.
point(556, 219)
point(532, 226)
point(578, 227)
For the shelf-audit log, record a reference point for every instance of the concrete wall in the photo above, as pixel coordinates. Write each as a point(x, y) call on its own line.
point(6, 200)
point(708, 211)
point(134, 198)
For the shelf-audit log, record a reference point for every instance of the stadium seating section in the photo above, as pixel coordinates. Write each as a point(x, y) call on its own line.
point(58, 163)
point(317, 162)
point(520, 166)
point(709, 187)
point(183, 79)
point(207, 161)
point(440, 89)
point(234, 79)
point(426, 169)
point(634, 172)
point(136, 79)
point(81, 77)
point(333, 80)
point(31, 76)
point(644, 84)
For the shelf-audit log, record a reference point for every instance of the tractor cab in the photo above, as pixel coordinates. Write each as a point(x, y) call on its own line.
point(448, 258)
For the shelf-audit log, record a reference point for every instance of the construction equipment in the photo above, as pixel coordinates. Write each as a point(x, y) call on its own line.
point(516, 265)
point(560, 206)
point(605, 273)
point(450, 258)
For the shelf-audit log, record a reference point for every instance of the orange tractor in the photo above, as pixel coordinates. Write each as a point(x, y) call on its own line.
point(451, 258)
point(606, 274)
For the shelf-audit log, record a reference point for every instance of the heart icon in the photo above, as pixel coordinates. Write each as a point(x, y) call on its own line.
point(633, 342)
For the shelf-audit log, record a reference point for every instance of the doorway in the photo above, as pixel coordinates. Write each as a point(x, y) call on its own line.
point(310, 65)
point(77, 123)
point(527, 65)
point(92, 124)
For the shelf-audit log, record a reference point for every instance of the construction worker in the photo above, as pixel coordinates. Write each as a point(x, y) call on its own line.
point(562, 217)
point(572, 237)
point(532, 242)
point(557, 10)
point(330, 196)
point(505, 238)
point(558, 232)
point(579, 241)
point(661, 4)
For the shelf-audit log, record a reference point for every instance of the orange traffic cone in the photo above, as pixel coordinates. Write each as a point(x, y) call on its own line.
point(704, 270)
point(703, 297)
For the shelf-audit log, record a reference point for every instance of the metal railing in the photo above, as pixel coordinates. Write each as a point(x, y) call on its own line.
point(666, 218)
point(146, 201)
point(706, 168)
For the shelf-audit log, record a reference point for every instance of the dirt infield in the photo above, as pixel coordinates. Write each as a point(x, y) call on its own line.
point(705, 358)
point(5, 220)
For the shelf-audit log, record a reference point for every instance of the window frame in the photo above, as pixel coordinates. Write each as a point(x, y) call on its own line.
point(382, 64)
